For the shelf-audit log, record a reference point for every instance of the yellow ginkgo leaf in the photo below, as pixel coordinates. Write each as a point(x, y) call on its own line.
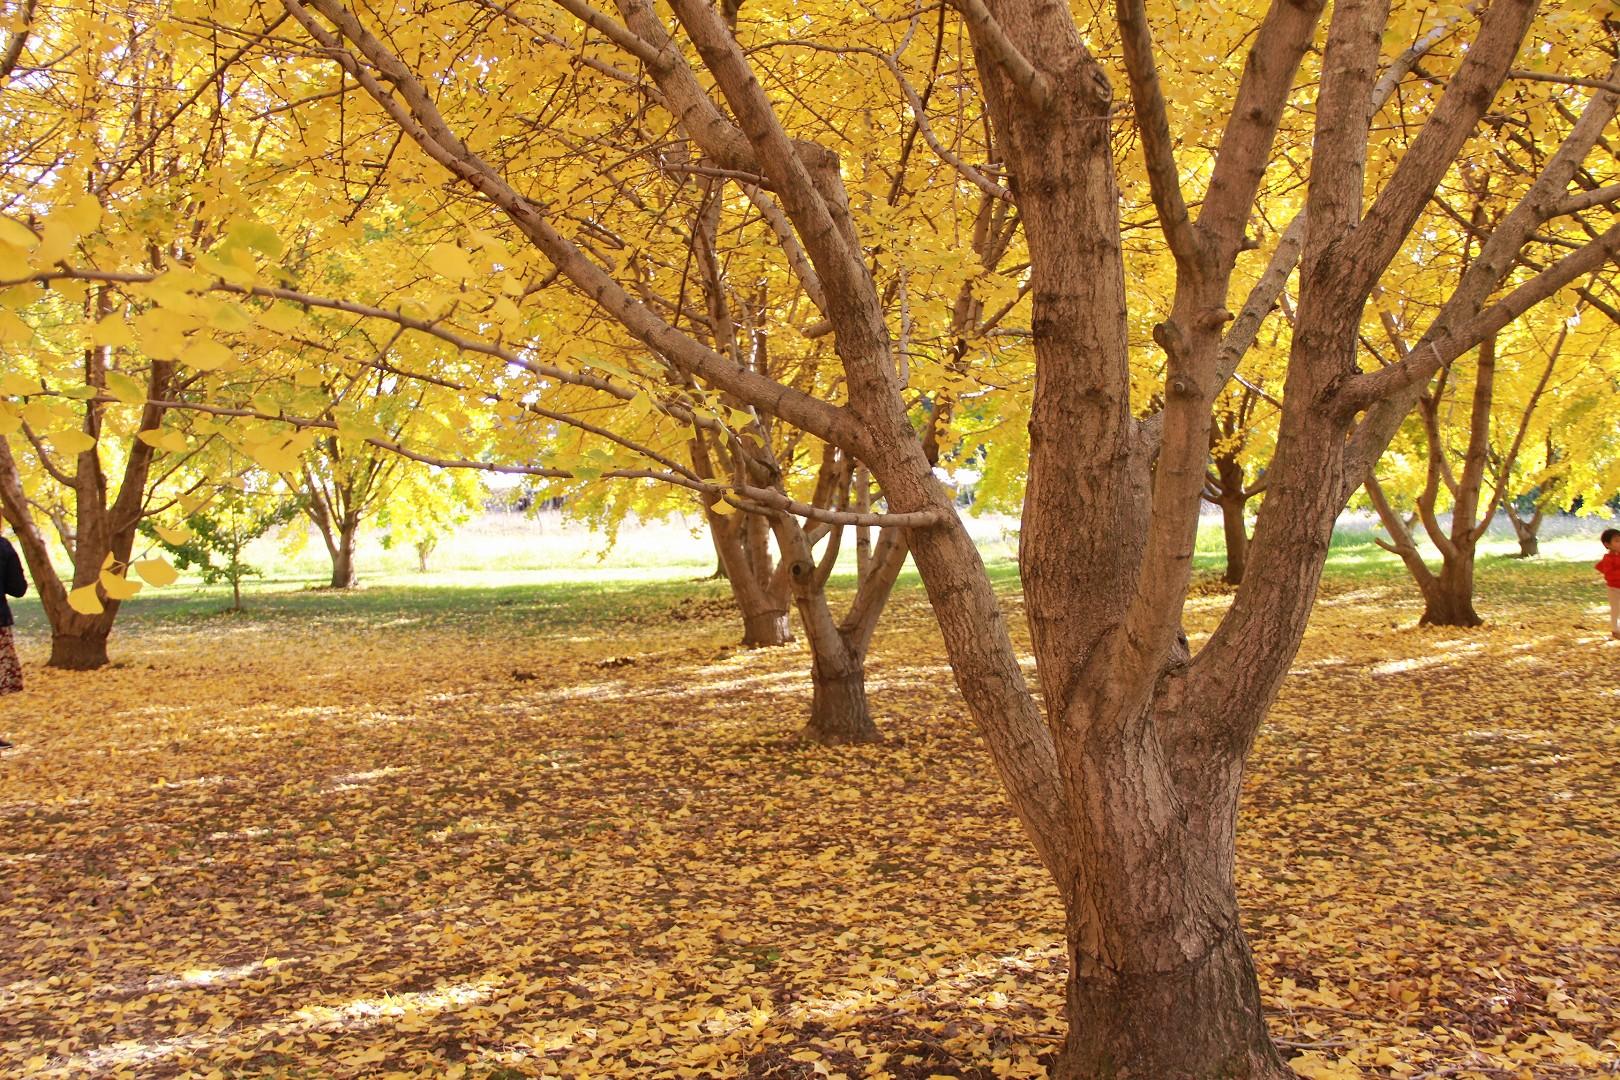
point(175, 536)
point(125, 389)
point(18, 385)
point(118, 587)
point(72, 442)
point(85, 601)
point(17, 234)
point(449, 261)
point(156, 572)
point(113, 331)
point(205, 354)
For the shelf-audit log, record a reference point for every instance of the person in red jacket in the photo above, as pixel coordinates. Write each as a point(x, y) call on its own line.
point(1609, 567)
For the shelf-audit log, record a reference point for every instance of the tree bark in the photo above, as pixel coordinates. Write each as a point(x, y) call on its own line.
point(839, 714)
point(1200, 1020)
point(766, 629)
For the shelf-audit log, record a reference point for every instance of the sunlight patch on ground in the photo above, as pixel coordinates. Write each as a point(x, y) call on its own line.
point(355, 1015)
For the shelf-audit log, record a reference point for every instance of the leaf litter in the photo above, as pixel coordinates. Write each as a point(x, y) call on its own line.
point(401, 848)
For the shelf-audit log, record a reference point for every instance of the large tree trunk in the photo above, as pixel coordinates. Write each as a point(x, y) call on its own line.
point(85, 651)
point(1201, 1019)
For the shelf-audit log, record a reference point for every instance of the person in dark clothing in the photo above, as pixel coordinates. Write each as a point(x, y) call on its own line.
point(12, 583)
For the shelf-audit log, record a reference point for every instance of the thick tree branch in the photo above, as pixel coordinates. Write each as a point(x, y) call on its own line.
point(1034, 85)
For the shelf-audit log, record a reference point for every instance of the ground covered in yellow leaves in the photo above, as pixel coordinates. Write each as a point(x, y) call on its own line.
point(489, 836)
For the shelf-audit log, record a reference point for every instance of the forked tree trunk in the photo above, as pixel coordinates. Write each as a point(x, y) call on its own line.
point(839, 713)
point(759, 591)
point(1528, 532)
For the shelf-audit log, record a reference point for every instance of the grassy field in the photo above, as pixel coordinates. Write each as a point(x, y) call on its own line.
point(548, 573)
point(549, 820)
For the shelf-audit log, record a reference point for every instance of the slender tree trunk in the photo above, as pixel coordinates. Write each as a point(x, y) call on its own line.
point(343, 571)
point(762, 600)
point(839, 714)
point(1237, 538)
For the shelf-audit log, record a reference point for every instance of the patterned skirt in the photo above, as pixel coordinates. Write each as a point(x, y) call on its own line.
point(10, 670)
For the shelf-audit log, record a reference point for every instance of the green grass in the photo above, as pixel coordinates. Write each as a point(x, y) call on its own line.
point(545, 578)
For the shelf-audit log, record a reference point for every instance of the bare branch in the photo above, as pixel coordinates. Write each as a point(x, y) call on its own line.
point(1449, 343)
point(1565, 80)
point(1158, 148)
point(736, 494)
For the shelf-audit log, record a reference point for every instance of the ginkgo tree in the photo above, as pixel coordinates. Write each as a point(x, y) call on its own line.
point(111, 164)
point(1461, 451)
